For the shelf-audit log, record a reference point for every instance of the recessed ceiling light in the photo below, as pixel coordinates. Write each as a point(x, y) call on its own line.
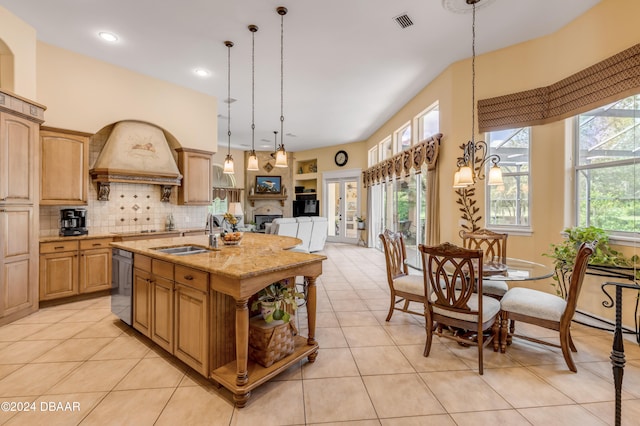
point(201, 72)
point(107, 36)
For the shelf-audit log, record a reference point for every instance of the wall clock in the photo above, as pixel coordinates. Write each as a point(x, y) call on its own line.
point(341, 158)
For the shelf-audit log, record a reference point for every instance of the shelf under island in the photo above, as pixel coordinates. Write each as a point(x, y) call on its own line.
point(196, 306)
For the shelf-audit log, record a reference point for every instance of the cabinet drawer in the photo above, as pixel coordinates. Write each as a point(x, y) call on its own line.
point(58, 246)
point(142, 262)
point(192, 278)
point(93, 244)
point(162, 269)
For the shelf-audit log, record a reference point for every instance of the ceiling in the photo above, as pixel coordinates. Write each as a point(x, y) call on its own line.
point(348, 66)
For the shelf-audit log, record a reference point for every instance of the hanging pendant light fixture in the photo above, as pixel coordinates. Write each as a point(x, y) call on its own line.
point(281, 154)
point(472, 164)
point(228, 161)
point(252, 162)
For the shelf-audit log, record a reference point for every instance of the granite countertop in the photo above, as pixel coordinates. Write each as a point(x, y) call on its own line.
point(255, 255)
point(46, 239)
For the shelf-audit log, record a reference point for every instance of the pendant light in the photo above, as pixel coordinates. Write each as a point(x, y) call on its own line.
point(228, 161)
point(475, 154)
point(252, 162)
point(281, 154)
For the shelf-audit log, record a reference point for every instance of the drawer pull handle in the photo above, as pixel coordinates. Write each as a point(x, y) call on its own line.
point(58, 247)
point(188, 277)
point(97, 244)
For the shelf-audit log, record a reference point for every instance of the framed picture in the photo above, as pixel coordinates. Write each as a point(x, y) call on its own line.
point(268, 185)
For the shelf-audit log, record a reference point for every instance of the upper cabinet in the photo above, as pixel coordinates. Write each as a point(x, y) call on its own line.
point(196, 167)
point(18, 159)
point(65, 159)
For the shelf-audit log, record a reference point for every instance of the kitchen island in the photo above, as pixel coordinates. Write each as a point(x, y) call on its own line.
point(186, 303)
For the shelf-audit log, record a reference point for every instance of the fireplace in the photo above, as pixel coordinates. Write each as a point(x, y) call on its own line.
point(262, 219)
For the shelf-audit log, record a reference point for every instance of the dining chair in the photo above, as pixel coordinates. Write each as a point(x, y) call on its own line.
point(494, 247)
point(451, 276)
point(405, 288)
point(547, 310)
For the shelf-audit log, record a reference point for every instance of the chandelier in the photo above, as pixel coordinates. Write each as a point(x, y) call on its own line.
point(475, 155)
point(228, 161)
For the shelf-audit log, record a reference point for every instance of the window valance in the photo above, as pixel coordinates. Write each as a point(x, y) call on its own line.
point(234, 194)
point(598, 85)
point(400, 165)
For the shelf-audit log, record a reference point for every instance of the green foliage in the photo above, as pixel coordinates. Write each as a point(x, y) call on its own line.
point(565, 252)
point(280, 295)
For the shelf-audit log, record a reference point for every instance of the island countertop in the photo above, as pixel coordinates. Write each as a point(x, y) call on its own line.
point(255, 256)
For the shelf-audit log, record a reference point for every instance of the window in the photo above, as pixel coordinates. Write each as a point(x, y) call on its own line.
point(606, 167)
point(508, 204)
point(386, 149)
point(221, 180)
point(429, 122)
point(403, 138)
point(373, 156)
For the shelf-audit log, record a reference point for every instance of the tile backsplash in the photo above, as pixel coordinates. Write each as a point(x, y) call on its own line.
point(131, 208)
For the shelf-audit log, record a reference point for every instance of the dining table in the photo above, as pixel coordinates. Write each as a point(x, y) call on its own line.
point(516, 270)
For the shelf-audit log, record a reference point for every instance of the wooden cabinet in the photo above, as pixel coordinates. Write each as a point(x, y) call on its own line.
point(64, 172)
point(69, 268)
point(19, 187)
point(153, 300)
point(142, 301)
point(197, 176)
point(95, 265)
point(192, 329)
point(18, 172)
point(18, 262)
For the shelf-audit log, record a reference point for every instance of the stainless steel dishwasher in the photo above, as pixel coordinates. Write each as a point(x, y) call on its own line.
point(122, 284)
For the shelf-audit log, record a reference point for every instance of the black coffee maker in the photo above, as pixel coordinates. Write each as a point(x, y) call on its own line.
point(73, 222)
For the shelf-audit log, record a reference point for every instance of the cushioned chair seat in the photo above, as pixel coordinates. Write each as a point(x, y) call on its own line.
point(490, 308)
point(494, 288)
point(533, 303)
point(413, 284)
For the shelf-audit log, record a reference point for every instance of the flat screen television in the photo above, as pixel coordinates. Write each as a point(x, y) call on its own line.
point(306, 208)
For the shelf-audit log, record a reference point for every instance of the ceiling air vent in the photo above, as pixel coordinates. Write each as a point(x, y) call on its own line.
point(403, 20)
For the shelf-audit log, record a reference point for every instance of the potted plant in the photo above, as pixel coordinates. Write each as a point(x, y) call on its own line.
point(274, 301)
point(361, 221)
point(564, 253)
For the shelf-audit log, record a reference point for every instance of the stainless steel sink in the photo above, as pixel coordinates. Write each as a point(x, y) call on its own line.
point(182, 250)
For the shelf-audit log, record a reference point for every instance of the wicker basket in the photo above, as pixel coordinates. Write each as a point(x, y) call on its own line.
point(270, 342)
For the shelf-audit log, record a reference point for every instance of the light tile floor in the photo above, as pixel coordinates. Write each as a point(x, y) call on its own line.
point(368, 371)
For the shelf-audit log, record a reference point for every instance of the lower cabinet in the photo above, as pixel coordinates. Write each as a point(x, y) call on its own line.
point(171, 307)
point(69, 268)
point(192, 328)
point(58, 269)
point(142, 300)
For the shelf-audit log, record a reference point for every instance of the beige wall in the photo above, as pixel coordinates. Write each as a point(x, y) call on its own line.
point(605, 30)
point(357, 153)
point(20, 39)
point(84, 94)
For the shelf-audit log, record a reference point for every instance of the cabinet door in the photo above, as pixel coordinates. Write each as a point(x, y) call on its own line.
point(18, 261)
point(64, 175)
point(192, 328)
point(18, 159)
point(162, 314)
point(196, 168)
point(142, 301)
point(58, 275)
point(95, 270)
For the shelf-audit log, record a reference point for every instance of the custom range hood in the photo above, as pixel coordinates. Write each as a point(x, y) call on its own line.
point(136, 152)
